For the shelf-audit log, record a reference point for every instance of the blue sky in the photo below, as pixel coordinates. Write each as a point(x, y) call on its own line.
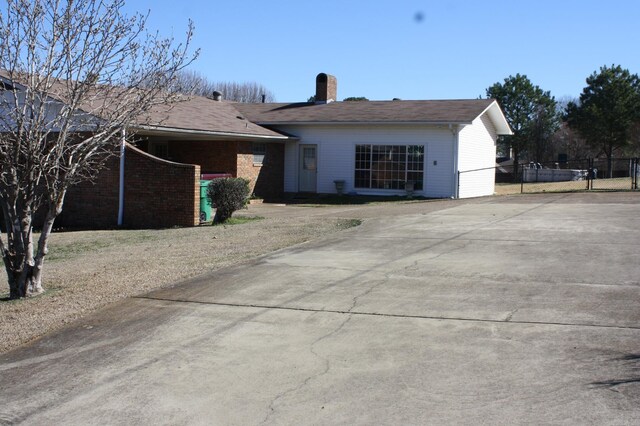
point(382, 49)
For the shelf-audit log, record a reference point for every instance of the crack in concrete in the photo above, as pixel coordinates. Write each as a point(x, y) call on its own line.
point(510, 315)
point(356, 298)
point(388, 315)
point(327, 368)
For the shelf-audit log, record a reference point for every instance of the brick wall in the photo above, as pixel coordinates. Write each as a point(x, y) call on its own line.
point(236, 158)
point(244, 164)
point(267, 179)
point(211, 156)
point(161, 193)
point(270, 181)
point(158, 194)
point(94, 204)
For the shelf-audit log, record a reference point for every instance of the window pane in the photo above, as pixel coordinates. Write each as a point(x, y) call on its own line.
point(259, 151)
point(389, 166)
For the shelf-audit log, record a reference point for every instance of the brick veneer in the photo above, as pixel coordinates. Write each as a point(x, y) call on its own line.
point(236, 158)
point(211, 156)
point(269, 183)
point(158, 194)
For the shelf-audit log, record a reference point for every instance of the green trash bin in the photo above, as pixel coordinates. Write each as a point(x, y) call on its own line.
point(205, 205)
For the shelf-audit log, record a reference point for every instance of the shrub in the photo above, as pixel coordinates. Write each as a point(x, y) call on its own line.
point(227, 195)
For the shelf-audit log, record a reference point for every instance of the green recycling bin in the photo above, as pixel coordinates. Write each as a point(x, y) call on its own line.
point(205, 205)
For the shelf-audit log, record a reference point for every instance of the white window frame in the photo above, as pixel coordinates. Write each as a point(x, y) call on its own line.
point(259, 151)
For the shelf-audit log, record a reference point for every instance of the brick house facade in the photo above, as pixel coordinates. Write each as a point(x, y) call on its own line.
point(235, 158)
point(164, 163)
point(162, 193)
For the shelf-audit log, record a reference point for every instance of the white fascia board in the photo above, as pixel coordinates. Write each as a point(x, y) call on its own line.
point(497, 117)
point(351, 123)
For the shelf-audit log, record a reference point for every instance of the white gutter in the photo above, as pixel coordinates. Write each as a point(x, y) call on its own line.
point(351, 123)
point(456, 142)
point(207, 133)
point(121, 188)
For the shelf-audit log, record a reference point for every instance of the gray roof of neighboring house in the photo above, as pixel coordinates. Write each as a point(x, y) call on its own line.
point(462, 111)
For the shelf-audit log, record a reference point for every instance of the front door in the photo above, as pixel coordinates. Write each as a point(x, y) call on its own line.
point(308, 168)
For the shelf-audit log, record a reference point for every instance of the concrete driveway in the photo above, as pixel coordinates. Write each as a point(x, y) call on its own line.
point(513, 310)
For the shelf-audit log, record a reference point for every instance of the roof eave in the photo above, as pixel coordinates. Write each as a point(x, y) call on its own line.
point(498, 119)
point(207, 133)
point(333, 123)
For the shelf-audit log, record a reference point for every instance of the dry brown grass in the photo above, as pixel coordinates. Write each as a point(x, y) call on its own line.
point(90, 269)
point(567, 186)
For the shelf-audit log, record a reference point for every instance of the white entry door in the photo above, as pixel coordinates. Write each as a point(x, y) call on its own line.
point(308, 168)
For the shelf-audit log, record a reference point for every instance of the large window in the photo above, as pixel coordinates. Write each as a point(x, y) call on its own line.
point(389, 166)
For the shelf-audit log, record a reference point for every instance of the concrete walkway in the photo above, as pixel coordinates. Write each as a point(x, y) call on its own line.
point(514, 310)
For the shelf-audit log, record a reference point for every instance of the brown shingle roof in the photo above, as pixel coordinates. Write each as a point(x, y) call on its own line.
point(438, 111)
point(206, 115)
point(191, 114)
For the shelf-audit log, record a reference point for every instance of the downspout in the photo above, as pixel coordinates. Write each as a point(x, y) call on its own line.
point(455, 131)
point(121, 188)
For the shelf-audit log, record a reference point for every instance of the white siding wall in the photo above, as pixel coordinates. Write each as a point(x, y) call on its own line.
point(336, 154)
point(477, 150)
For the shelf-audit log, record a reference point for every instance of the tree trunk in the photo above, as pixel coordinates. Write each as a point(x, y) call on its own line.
point(516, 154)
point(24, 270)
point(16, 291)
point(14, 253)
point(43, 248)
point(609, 153)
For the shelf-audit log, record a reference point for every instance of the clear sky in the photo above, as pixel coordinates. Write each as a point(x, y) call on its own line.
point(381, 49)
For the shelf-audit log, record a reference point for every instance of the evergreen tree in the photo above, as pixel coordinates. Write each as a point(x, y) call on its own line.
point(608, 109)
point(531, 113)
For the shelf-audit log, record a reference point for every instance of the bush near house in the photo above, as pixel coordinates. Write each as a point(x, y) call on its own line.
point(227, 195)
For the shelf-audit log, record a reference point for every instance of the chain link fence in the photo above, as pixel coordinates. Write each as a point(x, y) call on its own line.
point(617, 174)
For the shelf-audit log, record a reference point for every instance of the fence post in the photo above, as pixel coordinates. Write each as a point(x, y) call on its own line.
point(521, 179)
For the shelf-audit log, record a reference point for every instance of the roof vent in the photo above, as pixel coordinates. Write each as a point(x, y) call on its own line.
point(217, 96)
point(326, 88)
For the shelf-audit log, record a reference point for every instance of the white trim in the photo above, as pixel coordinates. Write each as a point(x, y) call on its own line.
point(121, 185)
point(497, 117)
point(456, 142)
point(191, 132)
point(362, 123)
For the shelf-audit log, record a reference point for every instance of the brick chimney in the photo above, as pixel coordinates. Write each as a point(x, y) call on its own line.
point(326, 88)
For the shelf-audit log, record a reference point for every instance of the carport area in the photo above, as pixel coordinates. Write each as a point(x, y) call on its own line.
point(508, 310)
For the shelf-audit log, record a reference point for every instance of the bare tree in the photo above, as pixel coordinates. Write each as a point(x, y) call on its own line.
point(71, 78)
point(192, 83)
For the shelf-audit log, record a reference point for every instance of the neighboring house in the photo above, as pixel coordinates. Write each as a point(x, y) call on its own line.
point(375, 147)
